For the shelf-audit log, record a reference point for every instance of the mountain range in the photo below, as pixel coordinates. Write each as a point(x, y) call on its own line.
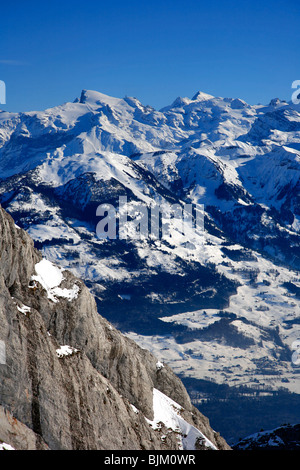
point(220, 306)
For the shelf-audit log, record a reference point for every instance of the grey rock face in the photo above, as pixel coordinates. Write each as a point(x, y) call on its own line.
point(17, 434)
point(81, 400)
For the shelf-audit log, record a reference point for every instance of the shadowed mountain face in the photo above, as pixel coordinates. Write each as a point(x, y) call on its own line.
point(70, 380)
point(220, 308)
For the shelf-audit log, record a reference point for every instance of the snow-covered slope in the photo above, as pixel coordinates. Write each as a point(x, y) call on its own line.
point(168, 413)
point(223, 307)
point(285, 437)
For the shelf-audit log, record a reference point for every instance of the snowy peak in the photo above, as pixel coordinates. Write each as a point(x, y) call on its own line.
point(95, 98)
point(277, 102)
point(178, 103)
point(201, 96)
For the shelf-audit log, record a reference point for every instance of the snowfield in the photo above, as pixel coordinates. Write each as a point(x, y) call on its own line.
point(167, 411)
point(50, 277)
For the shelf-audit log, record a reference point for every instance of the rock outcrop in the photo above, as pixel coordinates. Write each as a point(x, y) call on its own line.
point(71, 380)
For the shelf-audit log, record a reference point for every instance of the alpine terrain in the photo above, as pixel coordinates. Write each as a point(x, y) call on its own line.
point(69, 379)
point(220, 305)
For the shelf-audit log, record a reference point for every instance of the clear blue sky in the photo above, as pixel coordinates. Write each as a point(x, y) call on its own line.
point(153, 50)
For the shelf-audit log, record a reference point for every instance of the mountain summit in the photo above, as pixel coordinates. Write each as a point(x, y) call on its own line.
point(201, 96)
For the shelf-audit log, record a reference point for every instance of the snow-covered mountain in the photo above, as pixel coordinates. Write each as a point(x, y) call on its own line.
point(223, 309)
point(285, 437)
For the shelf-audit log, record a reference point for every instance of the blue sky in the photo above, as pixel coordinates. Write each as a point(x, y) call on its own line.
point(154, 50)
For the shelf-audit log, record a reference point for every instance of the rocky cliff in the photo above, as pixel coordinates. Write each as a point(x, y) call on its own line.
point(71, 380)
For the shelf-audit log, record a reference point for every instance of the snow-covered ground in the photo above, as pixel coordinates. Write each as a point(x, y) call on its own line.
point(4, 446)
point(168, 413)
point(50, 277)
